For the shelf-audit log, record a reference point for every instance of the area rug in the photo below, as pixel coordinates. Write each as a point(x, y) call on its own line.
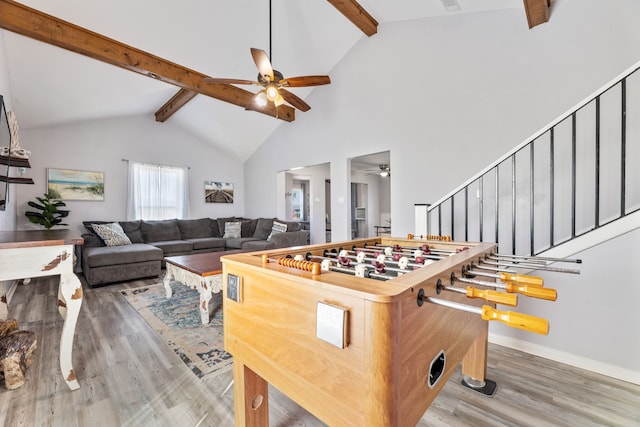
point(177, 321)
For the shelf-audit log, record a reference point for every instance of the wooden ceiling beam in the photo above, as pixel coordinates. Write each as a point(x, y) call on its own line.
point(355, 13)
point(537, 11)
point(23, 20)
point(176, 102)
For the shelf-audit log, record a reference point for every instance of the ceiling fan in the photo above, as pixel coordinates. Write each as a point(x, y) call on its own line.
point(273, 82)
point(383, 170)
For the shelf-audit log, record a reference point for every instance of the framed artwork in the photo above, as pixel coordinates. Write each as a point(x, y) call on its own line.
point(218, 192)
point(68, 184)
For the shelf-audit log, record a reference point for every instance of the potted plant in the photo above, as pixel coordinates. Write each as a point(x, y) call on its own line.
point(49, 214)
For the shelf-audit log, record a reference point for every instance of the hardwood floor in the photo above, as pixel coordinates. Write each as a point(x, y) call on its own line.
point(128, 377)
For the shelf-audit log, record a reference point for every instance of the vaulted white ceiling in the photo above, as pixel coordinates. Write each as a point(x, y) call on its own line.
point(52, 86)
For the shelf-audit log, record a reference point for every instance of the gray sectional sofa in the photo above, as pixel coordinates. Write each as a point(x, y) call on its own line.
point(140, 254)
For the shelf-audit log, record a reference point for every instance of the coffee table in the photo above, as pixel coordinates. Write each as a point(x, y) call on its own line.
point(202, 272)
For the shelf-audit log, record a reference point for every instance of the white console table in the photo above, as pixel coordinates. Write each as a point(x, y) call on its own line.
point(27, 254)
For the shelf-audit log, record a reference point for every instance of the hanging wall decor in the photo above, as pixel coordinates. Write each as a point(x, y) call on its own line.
point(68, 184)
point(218, 192)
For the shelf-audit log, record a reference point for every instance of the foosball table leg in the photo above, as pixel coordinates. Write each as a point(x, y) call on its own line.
point(474, 366)
point(251, 397)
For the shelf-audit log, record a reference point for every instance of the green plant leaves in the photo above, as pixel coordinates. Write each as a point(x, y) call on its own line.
point(49, 215)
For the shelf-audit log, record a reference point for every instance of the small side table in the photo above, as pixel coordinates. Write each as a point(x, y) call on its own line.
point(26, 254)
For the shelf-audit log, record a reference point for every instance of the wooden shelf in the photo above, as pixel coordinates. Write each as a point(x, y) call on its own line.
point(14, 162)
point(16, 180)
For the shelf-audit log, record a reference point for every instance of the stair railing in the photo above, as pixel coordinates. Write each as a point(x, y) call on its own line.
point(577, 174)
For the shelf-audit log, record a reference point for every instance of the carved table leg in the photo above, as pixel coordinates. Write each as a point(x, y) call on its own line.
point(167, 281)
point(4, 305)
point(205, 296)
point(69, 302)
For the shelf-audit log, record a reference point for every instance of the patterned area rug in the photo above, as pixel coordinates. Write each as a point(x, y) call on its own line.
point(177, 321)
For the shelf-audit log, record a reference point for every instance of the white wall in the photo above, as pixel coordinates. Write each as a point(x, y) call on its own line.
point(449, 95)
point(101, 146)
point(594, 322)
point(8, 216)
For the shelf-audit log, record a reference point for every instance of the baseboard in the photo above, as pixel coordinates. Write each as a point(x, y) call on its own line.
point(567, 358)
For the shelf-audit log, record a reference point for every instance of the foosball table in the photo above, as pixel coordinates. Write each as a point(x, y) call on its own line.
point(365, 332)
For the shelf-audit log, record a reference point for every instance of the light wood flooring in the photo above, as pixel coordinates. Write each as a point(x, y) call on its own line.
point(128, 377)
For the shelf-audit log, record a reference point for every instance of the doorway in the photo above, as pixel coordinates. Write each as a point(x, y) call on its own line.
point(302, 198)
point(371, 194)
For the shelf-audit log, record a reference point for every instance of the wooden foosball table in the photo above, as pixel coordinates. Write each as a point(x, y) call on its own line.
point(363, 332)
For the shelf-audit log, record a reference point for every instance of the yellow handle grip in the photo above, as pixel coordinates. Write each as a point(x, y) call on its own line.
point(517, 320)
point(493, 296)
point(532, 291)
point(522, 279)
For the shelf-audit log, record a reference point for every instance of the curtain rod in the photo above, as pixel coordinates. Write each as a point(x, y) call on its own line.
point(173, 166)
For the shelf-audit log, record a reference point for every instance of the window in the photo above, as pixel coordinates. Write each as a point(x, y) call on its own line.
point(157, 192)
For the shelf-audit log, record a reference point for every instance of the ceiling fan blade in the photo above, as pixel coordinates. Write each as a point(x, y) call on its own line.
point(294, 100)
point(305, 81)
point(230, 81)
point(262, 62)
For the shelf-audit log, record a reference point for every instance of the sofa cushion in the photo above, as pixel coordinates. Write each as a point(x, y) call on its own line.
point(215, 230)
point(232, 230)
point(293, 225)
point(290, 238)
point(263, 228)
point(116, 255)
point(173, 246)
point(194, 228)
point(208, 243)
point(112, 234)
point(91, 240)
point(258, 245)
point(278, 227)
point(237, 243)
point(248, 227)
point(157, 231)
point(132, 230)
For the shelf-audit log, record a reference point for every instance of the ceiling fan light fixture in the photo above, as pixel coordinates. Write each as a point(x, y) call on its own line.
point(272, 93)
point(278, 101)
point(384, 174)
point(261, 98)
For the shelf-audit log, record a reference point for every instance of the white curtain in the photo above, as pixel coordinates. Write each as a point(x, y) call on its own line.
point(157, 192)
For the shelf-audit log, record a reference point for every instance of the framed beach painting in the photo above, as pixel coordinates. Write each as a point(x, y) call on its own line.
point(68, 184)
point(218, 192)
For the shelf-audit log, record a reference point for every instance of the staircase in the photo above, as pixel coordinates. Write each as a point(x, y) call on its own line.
point(570, 186)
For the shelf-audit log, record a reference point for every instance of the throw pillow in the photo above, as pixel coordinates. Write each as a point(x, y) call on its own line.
point(278, 227)
point(232, 230)
point(112, 234)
